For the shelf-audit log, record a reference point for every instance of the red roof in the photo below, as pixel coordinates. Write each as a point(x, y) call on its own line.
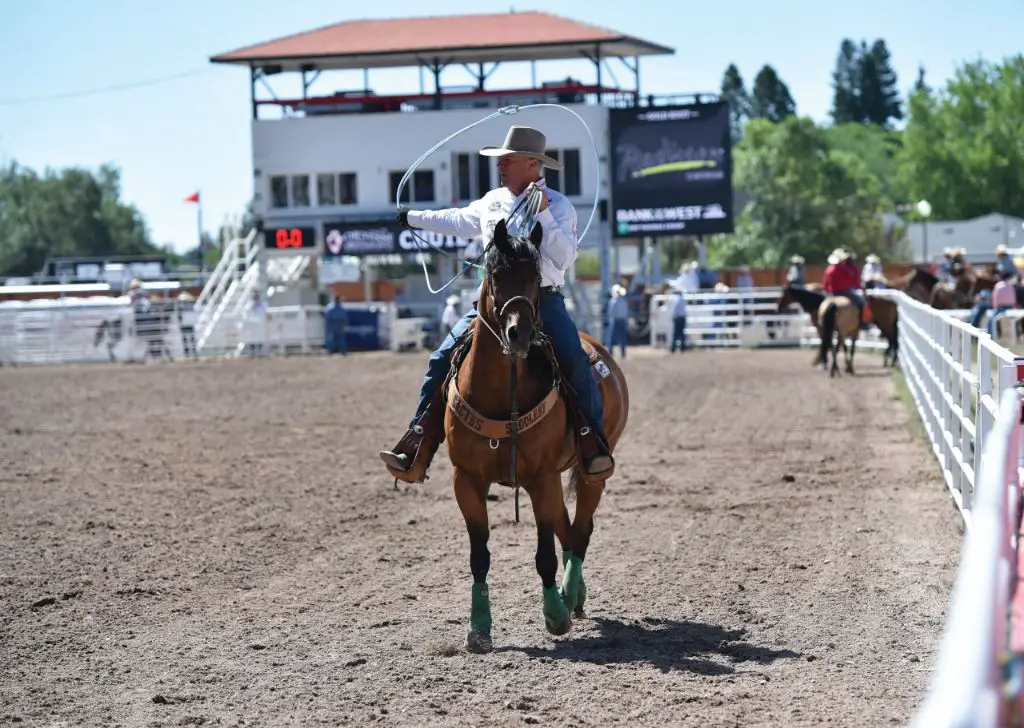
point(460, 38)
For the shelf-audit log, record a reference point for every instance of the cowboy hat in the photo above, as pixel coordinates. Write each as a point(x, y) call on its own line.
point(618, 290)
point(526, 141)
point(872, 258)
point(1001, 249)
point(452, 300)
point(838, 255)
point(797, 260)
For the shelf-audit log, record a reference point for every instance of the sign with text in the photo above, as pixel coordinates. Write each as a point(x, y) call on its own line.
point(671, 170)
point(387, 237)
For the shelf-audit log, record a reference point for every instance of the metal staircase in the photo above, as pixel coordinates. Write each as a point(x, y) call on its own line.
point(228, 291)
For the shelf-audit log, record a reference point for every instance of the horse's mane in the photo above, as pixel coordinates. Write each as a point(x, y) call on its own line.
point(925, 274)
point(806, 296)
point(497, 260)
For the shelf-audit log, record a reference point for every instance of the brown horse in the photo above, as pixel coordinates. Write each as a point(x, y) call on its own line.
point(885, 314)
point(507, 367)
point(917, 284)
point(838, 320)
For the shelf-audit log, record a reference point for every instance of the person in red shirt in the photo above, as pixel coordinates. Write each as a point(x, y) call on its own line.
point(843, 279)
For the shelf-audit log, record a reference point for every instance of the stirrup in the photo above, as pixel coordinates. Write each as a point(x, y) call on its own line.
point(419, 448)
point(602, 451)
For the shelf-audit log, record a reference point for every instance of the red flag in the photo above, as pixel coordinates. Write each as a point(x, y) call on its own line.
point(194, 197)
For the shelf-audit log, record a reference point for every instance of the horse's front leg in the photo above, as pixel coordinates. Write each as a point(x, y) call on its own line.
point(549, 512)
point(588, 497)
point(471, 495)
point(849, 358)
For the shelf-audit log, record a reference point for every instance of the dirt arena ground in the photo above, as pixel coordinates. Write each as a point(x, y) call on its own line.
point(218, 544)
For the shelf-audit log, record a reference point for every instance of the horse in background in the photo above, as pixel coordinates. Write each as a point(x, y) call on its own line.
point(506, 365)
point(838, 320)
point(151, 327)
point(885, 314)
point(918, 284)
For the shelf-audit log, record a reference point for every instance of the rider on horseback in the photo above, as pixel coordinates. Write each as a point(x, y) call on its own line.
point(520, 166)
point(843, 279)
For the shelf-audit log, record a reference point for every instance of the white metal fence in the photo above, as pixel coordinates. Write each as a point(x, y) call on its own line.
point(965, 388)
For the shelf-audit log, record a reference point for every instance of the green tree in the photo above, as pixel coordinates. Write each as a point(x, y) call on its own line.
point(71, 212)
point(879, 91)
point(846, 85)
point(865, 89)
point(963, 149)
point(808, 197)
point(771, 98)
point(878, 148)
point(735, 93)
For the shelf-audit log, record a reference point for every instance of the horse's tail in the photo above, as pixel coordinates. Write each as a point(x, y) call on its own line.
point(828, 328)
point(573, 488)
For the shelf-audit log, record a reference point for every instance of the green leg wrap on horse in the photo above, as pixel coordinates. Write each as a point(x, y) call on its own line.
point(480, 612)
point(555, 612)
point(572, 581)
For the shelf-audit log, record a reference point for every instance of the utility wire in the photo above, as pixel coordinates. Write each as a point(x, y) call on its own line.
point(102, 90)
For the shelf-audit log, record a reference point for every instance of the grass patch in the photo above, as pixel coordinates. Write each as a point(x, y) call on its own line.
point(902, 393)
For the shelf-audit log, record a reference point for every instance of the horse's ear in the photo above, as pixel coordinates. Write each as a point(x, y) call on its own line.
point(500, 236)
point(537, 234)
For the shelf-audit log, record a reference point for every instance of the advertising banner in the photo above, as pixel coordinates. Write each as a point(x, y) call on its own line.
point(671, 170)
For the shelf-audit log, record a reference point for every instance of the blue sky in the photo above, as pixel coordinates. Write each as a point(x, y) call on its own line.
point(190, 133)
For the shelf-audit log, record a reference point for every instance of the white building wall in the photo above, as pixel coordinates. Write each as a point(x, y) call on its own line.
point(978, 236)
point(373, 145)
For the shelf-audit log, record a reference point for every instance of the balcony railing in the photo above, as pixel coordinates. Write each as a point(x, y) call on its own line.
point(365, 101)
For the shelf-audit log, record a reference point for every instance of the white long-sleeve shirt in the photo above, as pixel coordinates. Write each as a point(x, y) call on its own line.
point(558, 247)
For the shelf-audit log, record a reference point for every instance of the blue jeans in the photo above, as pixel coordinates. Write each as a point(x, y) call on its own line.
point(994, 316)
point(568, 350)
point(978, 311)
point(619, 336)
point(678, 333)
point(335, 338)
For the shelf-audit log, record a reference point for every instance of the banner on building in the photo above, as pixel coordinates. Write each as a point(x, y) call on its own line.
point(386, 237)
point(671, 170)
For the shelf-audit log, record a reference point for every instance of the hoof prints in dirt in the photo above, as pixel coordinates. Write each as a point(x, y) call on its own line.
point(218, 544)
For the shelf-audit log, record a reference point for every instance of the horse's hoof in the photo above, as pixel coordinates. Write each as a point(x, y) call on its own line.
point(578, 610)
point(478, 642)
point(560, 629)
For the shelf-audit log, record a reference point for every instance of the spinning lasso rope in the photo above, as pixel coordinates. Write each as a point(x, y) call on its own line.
point(532, 200)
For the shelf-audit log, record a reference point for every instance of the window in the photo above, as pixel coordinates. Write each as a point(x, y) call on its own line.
point(568, 181)
point(300, 190)
point(289, 191)
point(326, 191)
point(472, 176)
point(347, 191)
point(336, 189)
point(279, 192)
point(421, 186)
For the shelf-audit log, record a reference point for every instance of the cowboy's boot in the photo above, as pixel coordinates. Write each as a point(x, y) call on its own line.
point(413, 453)
point(596, 460)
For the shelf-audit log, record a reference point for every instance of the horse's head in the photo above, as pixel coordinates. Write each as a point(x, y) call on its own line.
point(512, 266)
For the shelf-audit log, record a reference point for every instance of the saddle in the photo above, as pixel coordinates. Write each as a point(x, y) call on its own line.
point(497, 430)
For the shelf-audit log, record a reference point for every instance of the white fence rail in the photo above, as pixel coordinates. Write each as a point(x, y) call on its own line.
point(967, 691)
point(964, 386)
point(740, 318)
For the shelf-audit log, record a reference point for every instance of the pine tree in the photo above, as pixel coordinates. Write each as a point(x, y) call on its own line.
point(771, 98)
point(735, 94)
point(920, 84)
point(846, 85)
point(879, 90)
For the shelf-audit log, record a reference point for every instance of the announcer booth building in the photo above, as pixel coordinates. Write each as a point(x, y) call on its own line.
point(329, 162)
